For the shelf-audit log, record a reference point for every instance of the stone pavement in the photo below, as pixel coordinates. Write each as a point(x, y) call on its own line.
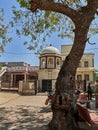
point(25, 112)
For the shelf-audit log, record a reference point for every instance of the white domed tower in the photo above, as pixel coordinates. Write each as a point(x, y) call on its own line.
point(50, 64)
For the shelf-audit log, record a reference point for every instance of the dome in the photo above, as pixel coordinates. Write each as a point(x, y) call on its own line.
point(50, 50)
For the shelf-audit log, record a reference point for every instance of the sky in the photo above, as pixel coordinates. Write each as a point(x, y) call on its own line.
point(17, 52)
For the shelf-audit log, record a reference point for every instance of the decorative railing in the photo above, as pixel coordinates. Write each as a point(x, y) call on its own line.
point(23, 69)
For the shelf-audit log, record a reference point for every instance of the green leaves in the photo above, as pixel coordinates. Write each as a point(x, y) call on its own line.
point(47, 13)
point(24, 3)
point(1, 66)
point(4, 38)
point(39, 25)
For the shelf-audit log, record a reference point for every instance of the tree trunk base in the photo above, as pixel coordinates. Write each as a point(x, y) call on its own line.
point(62, 120)
point(63, 114)
point(75, 128)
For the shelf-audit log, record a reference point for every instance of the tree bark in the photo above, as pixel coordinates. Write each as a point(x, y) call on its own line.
point(62, 113)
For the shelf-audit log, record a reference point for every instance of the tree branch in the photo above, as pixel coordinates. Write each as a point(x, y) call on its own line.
point(93, 3)
point(90, 42)
point(77, 16)
point(53, 6)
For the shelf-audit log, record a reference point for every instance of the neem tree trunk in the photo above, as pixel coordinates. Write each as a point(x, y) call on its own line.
point(63, 110)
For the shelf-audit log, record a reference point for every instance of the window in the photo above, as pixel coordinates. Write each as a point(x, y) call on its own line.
point(92, 62)
point(58, 62)
point(86, 64)
point(79, 77)
point(43, 62)
point(50, 61)
point(86, 77)
point(79, 64)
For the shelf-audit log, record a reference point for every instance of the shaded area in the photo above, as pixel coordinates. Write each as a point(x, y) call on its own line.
point(26, 118)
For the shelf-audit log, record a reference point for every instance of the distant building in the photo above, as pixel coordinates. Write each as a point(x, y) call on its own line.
point(19, 76)
point(27, 79)
point(50, 64)
point(85, 70)
point(51, 60)
point(10, 64)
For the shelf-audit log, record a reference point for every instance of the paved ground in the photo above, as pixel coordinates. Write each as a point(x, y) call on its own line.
point(24, 112)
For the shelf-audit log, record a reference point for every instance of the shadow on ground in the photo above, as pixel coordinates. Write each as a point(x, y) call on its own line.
point(25, 118)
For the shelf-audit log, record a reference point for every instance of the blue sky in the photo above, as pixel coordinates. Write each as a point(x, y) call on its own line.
point(16, 51)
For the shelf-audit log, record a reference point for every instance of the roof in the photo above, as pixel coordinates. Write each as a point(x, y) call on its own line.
point(50, 50)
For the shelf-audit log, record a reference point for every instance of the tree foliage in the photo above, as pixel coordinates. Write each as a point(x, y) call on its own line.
point(0, 66)
point(4, 38)
point(40, 24)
